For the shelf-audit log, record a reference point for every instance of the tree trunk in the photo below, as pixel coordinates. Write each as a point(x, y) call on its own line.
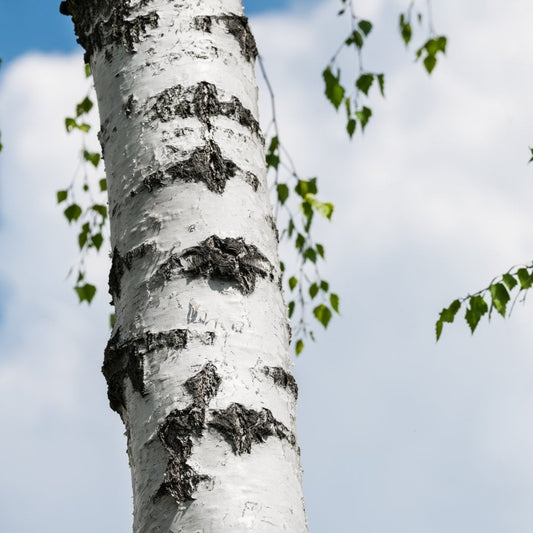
point(198, 362)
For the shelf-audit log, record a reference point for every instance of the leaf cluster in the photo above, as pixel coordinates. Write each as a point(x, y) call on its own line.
point(496, 295)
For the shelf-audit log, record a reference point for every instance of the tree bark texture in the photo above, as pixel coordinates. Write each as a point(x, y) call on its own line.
point(198, 363)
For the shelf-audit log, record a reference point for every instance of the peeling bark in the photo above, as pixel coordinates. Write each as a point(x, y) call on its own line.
point(242, 427)
point(227, 259)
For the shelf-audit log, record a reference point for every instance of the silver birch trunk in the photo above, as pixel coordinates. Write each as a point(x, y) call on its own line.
point(198, 363)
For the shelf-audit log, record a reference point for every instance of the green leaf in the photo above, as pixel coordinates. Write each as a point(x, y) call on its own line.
point(282, 266)
point(381, 83)
point(112, 320)
point(477, 308)
point(322, 314)
point(313, 290)
point(310, 254)
point(405, 29)
point(83, 127)
point(274, 144)
point(293, 282)
point(303, 188)
point(283, 192)
point(525, 279)
point(334, 90)
point(364, 82)
point(334, 300)
point(272, 160)
point(350, 127)
point(447, 315)
point(84, 106)
point(510, 281)
point(365, 26)
point(70, 124)
point(290, 227)
point(92, 157)
point(61, 196)
point(85, 292)
point(82, 239)
point(87, 70)
point(299, 346)
point(500, 297)
point(324, 285)
point(364, 115)
point(103, 184)
point(355, 38)
point(100, 209)
point(531, 150)
point(324, 208)
point(291, 308)
point(429, 63)
point(97, 240)
point(72, 212)
point(320, 250)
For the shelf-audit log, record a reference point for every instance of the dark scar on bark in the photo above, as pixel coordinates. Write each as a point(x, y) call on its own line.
point(125, 358)
point(176, 434)
point(200, 101)
point(235, 25)
point(120, 263)
point(115, 24)
point(282, 378)
point(242, 427)
point(226, 259)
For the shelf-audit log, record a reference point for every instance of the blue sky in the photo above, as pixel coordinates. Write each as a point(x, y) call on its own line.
point(37, 25)
point(431, 203)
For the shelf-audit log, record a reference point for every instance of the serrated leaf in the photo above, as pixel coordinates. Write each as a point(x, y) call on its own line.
point(510, 281)
point(72, 212)
point(324, 285)
point(322, 314)
point(92, 157)
point(350, 127)
point(103, 184)
point(84, 106)
point(355, 38)
point(100, 209)
point(97, 240)
point(531, 159)
point(313, 290)
point(61, 196)
point(381, 83)
point(365, 26)
point(85, 292)
point(272, 160)
point(320, 250)
point(476, 309)
point(84, 127)
point(112, 320)
point(293, 282)
point(500, 297)
point(364, 82)
point(364, 115)
point(283, 192)
point(524, 278)
point(282, 266)
point(334, 91)
point(82, 239)
point(405, 30)
point(299, 346)
point(334, 301)
point(310, 254)
point(447, 315)
point(274, 144)
point(87, 70)
point(291, 308)
point(305, 187)
point(70, 124)
point(429, 63)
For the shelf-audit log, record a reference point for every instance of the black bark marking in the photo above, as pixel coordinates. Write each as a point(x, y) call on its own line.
point(282, 378)
point(227, 259)
point(120, 263)
point(180, 480)
point(242, 427)
point(203, 387)
point(235, 25)
point(115, 24)
point(126, 359)
point(201, 101)
point(205, 164)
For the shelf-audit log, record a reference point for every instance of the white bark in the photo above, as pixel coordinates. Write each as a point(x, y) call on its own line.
point(198, 364)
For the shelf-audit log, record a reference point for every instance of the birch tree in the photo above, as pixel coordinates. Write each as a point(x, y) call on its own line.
point(198, 363)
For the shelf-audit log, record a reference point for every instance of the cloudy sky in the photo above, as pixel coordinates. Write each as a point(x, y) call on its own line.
point(431, 203)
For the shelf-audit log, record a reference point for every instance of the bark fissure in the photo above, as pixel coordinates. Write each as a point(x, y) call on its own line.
point(126, 359)
point(229, 259)
point(200, 101)
point(242, 427)
point(177, 432)
point(114, 24)
point(282, 378)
